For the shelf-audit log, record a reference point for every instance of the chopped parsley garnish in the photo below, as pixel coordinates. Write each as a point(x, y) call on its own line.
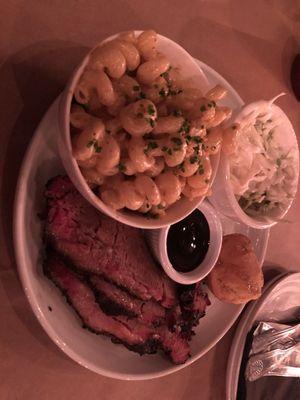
point(150, 146)
point(175, 92)
point(194, 159)
point(136, 88)
point(201, 169)
point(181, 167)
point(166, 149)
point(121, 167)
point(176, 140)
point(185, 126)
point(196, 149)
point(188, 138)
point(150, 110)
point(163, 93)
point(178, 143)
point(278, 162)
point(149, 136)
point(94, 143)
point(150, 121)
point(196, 139)
point(165, 74)
point(90, 143)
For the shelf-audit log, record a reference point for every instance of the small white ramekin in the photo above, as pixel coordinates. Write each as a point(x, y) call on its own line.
point(157, 239)
point(223, 197)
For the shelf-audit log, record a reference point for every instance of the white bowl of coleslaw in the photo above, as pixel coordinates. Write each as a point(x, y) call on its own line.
point(257, 184)
point(179, 57)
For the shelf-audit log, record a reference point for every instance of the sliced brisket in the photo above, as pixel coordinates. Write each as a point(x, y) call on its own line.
point(133, 333)
point(193, 302)
point(115, 301)
point(97, 244)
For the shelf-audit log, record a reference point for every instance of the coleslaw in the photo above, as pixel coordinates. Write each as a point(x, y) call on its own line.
point(261, 170)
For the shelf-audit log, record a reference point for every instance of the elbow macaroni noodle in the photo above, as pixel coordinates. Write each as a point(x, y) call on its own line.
point(142, 135)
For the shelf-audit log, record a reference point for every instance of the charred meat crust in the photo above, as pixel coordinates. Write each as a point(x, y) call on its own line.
point(111, 307)
point(115, 301)
point(193, 302)
point(133, 333)
point(151, 346)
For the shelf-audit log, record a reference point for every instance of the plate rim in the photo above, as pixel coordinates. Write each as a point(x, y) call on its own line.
point(19, 249)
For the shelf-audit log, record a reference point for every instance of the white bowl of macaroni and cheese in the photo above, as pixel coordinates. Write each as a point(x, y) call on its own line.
point(141, 130)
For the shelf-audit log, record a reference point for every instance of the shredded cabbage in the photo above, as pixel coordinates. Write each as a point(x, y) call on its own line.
point(262, 174)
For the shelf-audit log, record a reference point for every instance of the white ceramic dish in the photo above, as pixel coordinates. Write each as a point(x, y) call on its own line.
point(190, 69)
point(278, 303)
point(62, 325)
point(223, 197)
point(157, 239)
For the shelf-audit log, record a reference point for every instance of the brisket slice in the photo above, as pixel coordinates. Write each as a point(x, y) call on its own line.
point(193, 302)
point(131, 332)
point(115, 301)
point(97, 244)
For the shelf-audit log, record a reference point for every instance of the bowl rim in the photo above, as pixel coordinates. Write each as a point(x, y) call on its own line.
point(224, 165)
point(211, 257)
point(64, 140)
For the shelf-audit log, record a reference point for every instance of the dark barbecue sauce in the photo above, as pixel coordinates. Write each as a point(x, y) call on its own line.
point(188, 241)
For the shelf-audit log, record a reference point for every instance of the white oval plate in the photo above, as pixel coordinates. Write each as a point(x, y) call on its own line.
point(96, 352)
point(279, 303)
